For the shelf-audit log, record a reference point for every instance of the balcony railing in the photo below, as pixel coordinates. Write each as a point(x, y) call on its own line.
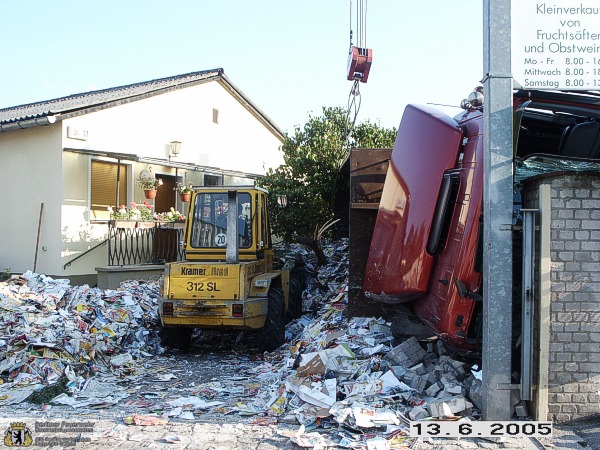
point(134, 243)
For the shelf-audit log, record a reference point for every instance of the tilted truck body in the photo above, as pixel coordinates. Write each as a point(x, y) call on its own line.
point(426, 247)
point(227, 280)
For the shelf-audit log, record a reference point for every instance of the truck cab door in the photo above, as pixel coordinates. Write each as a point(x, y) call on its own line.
point(427, 145)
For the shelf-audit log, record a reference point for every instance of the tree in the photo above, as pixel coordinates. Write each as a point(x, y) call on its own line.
point(312, 158)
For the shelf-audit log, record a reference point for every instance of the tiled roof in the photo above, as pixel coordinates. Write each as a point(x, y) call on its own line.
point(85, 100)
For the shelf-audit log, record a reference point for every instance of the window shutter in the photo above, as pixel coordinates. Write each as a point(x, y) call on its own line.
point(104, 187)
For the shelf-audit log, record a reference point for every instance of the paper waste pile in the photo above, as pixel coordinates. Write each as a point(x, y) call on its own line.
point(343, 381)
point(54, 333)
point(348, 383)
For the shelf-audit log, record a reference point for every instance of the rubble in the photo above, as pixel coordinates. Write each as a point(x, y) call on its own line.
point(378, 385)
point(53, 331)
point(343, 381)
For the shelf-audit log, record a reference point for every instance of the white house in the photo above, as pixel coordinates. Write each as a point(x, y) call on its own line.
point(63, 162)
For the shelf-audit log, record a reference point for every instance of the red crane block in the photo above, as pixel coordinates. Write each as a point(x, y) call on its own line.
point(359, 63)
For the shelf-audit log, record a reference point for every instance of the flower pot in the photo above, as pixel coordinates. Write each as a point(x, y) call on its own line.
point(150, 193)
point(185, 196)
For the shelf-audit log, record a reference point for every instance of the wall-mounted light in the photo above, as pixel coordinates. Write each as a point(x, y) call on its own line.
point(282, 200)
point(174, 148)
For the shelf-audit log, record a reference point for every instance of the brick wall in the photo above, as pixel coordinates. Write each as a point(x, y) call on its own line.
point(574, 347)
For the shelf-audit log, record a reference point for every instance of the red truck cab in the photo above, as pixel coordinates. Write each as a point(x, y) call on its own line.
point(426, 246)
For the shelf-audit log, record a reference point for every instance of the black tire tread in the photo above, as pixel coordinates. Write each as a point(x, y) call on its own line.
point(295, 300)
point(273, 333)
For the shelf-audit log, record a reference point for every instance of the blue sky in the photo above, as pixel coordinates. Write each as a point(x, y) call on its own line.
point(288, 56)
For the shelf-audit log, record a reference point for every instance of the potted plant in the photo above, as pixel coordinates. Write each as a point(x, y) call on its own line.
point(185, 191)
point(150, 185)
point(171, 216)
point(122, 213)
point(134, 213)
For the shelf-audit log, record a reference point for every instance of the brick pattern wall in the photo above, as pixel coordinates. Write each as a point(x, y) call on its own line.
point(574, 360)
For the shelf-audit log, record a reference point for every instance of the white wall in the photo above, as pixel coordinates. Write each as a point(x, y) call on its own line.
point(145, 127)
point(30, 174)
point(78, 235)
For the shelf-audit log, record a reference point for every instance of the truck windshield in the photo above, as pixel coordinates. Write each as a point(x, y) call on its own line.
point(209, 227)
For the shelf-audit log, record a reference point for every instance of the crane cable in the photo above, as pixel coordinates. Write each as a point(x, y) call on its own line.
point(354, 99)
point(361, 23)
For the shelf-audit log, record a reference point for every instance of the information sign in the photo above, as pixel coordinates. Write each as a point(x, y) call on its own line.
point(555, 44)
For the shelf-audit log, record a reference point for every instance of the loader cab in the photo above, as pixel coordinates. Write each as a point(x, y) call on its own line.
point(207, 233)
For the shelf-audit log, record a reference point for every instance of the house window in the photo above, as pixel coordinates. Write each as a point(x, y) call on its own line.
point(213, 180)
point(215, 115)
point(104, 188)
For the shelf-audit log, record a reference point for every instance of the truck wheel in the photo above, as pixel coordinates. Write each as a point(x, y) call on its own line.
point(273, 334)
point(295, 298)
point(176, 337)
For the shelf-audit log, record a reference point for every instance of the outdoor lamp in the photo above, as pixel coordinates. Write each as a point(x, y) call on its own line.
point(174, 148)
point(282, 200)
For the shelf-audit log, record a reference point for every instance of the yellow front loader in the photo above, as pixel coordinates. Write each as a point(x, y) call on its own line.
point(227, 280)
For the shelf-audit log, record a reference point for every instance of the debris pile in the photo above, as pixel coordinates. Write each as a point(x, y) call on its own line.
point(53, 332)
point(343, 381)
point(348, 383)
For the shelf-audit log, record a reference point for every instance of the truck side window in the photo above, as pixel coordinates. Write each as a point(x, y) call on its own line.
point(442, 216)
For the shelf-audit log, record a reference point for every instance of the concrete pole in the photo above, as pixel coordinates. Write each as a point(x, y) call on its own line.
point(497, 211)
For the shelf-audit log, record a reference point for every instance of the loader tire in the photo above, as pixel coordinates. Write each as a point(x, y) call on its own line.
point(273, 333)
point(176, 337)
point(297, 285)
point(295, 298)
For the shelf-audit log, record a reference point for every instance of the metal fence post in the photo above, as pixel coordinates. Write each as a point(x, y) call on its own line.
point(497, 211)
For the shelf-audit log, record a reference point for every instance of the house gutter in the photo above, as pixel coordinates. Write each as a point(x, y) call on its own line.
point(27, 123)
point(113, 155)
point(196, 168)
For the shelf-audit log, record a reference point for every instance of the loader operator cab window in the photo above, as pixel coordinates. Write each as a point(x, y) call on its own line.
point(209, 229)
